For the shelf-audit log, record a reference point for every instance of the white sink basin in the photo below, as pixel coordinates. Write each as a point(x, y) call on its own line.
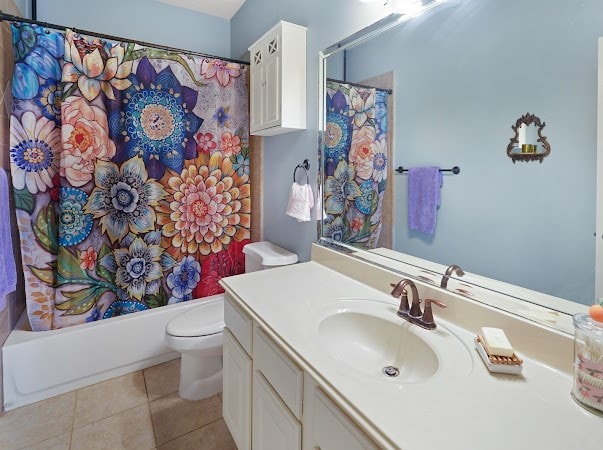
point(370, 343)
point(366, 336)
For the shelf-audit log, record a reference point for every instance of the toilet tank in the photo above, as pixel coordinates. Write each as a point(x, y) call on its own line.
point(265, 255)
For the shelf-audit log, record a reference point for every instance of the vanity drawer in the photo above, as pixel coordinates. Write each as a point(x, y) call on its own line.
point(283, 374)
point(239, 324)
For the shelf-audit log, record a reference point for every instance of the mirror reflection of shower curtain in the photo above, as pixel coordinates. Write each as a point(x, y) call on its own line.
point(355, 163)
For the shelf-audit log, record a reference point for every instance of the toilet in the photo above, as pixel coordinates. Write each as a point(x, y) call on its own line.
point(197, 333)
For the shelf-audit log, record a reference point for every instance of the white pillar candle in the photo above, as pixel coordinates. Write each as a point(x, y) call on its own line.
point(523, 132)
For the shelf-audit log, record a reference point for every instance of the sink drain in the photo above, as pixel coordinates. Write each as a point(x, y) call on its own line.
point(391, 371)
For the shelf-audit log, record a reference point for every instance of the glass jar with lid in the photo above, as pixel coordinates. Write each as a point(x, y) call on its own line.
point(588, 363)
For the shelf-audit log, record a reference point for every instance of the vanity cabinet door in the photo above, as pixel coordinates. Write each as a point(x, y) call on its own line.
point(333, 429)
point(236, 401)
point(274, 426)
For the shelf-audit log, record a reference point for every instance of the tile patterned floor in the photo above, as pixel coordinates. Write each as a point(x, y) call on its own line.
point(141, 410)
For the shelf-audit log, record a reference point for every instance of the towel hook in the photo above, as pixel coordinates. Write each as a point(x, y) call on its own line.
point(306, 166)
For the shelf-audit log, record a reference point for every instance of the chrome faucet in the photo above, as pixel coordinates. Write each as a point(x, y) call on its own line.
point(413, 314)
point(451, 268)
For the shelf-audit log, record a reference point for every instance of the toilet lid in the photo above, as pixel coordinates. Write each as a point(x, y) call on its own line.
point(201, 321)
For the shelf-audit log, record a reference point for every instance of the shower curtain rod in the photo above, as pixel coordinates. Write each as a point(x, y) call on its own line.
point(12, 18)
point(389, 91)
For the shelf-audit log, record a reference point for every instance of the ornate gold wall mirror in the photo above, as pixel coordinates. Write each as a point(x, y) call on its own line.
point(528, 144)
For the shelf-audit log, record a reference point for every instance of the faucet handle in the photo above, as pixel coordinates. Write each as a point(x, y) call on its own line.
point(427, 318)
point(403, 309)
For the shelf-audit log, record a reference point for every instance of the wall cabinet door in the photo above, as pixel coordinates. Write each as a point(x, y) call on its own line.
point(274, 426)
point(272, 92)
point(258, 88)
point(236, 401)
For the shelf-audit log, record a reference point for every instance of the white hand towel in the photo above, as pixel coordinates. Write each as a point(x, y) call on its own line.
point(301, 201)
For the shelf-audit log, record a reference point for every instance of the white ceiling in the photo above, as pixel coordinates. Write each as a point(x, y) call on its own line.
point(220, 8)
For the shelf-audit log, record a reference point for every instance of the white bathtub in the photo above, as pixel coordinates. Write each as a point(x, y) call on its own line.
point(39, 365)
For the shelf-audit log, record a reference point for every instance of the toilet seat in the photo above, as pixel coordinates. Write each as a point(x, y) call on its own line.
point(205, 320)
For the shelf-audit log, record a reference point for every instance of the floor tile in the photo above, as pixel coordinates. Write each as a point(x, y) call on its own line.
point(29, 424)
point(214, 436)
point(131, 429)
point(163, 379)
point(61, 442)
point(110, 397)
point(174, 417)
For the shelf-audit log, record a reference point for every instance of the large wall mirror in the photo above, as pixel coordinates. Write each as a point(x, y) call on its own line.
point(445, 88)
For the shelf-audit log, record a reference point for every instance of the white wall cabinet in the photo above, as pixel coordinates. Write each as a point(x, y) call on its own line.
point(270, 403)
point(278, 80)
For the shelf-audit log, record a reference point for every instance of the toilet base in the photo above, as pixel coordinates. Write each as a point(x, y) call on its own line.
point(200, 377)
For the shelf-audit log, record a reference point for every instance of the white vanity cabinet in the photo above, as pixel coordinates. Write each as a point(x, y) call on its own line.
point(262, 396)
point(278, 80)
point(269, 402)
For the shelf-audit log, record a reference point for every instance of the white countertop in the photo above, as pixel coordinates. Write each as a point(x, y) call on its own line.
point(465, 408)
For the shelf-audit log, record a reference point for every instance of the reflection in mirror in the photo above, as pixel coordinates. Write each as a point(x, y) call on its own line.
point(456, 80)
point(355, 162)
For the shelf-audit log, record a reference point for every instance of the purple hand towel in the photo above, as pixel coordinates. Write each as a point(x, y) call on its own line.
point(8, 272)
point(424, 185)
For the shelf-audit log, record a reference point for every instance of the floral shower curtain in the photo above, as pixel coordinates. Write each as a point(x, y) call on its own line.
point(130, 170)
point(355, 163)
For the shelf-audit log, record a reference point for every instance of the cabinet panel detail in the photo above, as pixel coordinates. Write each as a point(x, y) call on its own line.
point(236, 401)
point(274, 427)
point(334, 430)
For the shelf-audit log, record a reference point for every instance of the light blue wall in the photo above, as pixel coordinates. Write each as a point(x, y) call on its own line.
point(327, 22)
point(25, 7)
point(463, 76)
point(145, 20)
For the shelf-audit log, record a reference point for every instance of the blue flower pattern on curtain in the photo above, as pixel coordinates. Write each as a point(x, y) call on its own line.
point(130, 170)
point(355, 163)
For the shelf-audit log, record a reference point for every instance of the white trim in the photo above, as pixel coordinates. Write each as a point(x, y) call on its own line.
point(599, 197)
